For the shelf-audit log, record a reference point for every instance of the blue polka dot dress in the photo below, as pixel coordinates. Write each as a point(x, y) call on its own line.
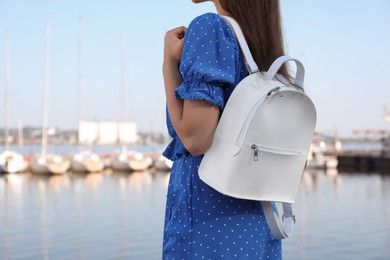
point(201, 223)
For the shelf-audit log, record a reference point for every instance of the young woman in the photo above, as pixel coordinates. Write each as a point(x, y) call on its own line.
point(202, 66)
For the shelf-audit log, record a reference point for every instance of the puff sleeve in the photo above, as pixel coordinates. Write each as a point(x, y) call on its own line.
point(209, 59)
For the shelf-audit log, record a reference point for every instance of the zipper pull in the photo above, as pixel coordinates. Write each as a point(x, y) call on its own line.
point(255, 152)
point(272, 93)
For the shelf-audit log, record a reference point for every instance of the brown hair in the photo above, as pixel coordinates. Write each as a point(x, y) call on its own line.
point(261, 25)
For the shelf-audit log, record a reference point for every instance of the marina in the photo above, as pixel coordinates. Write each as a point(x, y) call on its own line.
point(326, 153)
point(68, 159)
point(368, 160)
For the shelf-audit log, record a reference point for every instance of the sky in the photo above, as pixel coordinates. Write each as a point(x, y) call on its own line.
point(344, 46)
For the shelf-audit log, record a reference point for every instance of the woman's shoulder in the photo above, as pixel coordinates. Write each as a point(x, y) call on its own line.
point(211, 21)
point(207, 17)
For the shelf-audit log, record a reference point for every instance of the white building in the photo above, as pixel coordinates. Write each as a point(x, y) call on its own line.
point(107, 132)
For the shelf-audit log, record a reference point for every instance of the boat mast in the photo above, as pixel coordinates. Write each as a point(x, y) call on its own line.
point(123, 85)
point(80, 81)
point(20, 133)
point(387, 115)
point(46, 91)
point(6, 92)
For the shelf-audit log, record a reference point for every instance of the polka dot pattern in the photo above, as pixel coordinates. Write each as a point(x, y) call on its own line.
point(201, 223)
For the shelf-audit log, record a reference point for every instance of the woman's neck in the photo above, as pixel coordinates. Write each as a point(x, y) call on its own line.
point(219, 8)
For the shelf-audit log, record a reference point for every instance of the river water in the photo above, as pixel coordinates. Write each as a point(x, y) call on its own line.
point(120, 216)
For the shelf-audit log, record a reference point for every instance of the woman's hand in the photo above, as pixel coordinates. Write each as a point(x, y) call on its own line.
point(173, 45)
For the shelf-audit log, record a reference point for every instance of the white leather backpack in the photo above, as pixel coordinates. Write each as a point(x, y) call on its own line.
point(262, 140)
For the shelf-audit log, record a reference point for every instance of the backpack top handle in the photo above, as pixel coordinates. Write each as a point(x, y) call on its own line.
point(251, 64)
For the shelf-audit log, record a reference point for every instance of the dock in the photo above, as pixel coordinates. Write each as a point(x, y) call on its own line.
point(356, 162)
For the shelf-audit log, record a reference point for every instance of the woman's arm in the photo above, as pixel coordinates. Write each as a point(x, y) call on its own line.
point(194, 121)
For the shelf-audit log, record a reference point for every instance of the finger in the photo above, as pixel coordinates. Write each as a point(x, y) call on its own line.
point(180, 31)
point(177, 33)
point(176, 30)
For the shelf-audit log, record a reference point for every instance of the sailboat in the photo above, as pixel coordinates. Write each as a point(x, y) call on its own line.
point(126, 160)
point(84, 161)
point(10, 161)
point(47, 163)
point(162, 164)
point(319, 157)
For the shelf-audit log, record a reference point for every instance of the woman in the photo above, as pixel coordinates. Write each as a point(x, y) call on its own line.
point(202, 66)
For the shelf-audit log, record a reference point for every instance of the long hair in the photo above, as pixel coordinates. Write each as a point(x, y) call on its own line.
point(261, 25)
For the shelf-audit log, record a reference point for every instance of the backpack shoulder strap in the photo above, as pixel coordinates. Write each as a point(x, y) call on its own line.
point(249, 61)
point(278, 229)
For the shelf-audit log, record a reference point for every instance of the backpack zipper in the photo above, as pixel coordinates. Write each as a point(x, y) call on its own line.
point(272, 149)
point(255, 152)
point(274, 90)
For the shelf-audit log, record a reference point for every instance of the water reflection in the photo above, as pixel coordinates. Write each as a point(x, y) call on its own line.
point(120, 216)
point(82, 216)
point(312, 179)
point(386, 198)
point(341, 216)
point(162, 177)
point(91, 180)
point(14, 183)
point(385, 186)
point(136, 181)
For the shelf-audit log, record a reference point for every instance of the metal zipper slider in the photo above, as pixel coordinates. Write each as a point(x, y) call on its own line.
point(255, 152)
point(272, 91)
point(269, 94)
